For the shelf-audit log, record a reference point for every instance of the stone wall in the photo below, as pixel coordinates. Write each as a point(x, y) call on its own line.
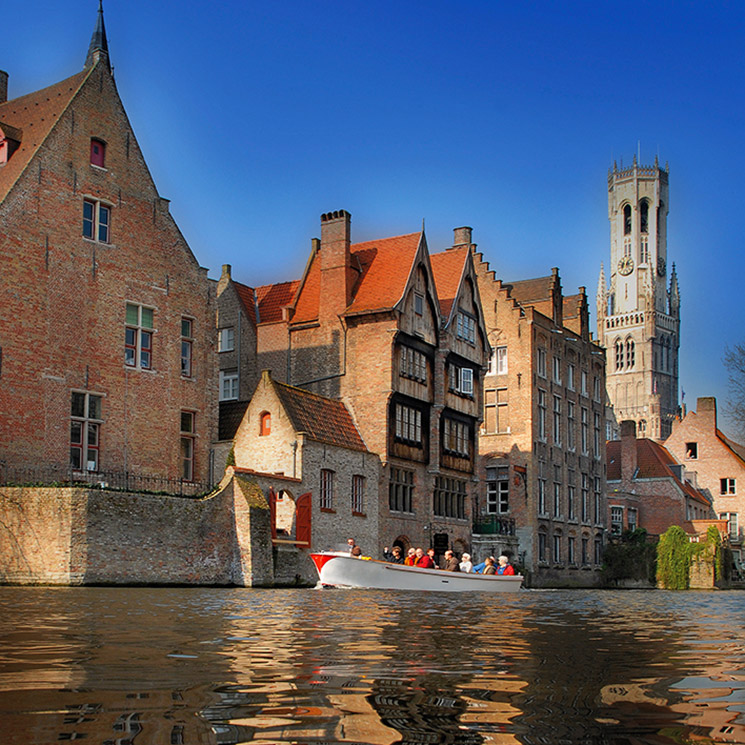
point(82, 536)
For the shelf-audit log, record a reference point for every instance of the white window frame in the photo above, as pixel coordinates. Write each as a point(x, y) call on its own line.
point(501, 362)
point(540, 362)
point(497, 490)
point(228, 385)
point(727, 487)
point(100, 230)
point(136, 353)
point(226, 339)
point(89, 425)
point(466, 327)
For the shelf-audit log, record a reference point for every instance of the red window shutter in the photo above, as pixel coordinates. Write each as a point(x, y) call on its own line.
point(98, 153)
point(273, 511)
point(303, 518)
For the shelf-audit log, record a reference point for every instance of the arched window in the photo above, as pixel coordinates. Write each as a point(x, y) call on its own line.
point(644, 216)
point(642, 427)
point(629, 354)
point(619, 354)
point(627, 220)
point(265, 424)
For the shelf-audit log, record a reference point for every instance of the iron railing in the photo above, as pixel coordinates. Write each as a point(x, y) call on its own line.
point(494, 525)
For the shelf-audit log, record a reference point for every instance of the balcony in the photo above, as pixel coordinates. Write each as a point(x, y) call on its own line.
point(494, 525)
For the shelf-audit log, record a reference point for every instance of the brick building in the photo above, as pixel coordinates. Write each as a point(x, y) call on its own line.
point(308, 457)
point(397, 335)
point(648, 488)
point(717, 462)
point(107, 319)
point(542, 441)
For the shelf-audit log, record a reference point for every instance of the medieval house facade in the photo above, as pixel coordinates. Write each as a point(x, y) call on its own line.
point(542, 441)
point(107, 319)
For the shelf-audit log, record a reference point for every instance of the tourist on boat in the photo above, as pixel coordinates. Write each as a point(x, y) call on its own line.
point(465, 562)
point(479, 568)
point(451, 563)
point(504, 566)
point(350, 544)
point(394, 556)
point(410, 559)
point(431, 554)
point(356, 552)
point(489, 567)
point(423, 560)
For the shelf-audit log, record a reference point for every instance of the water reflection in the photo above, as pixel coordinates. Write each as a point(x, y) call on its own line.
point(282, 666)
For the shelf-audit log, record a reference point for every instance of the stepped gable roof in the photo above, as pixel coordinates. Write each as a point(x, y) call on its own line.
point(230, 417)
point(272, 298)
point(35, 115)
point(384, 267)
point(653, 461)
point(737, 449)
point(322, 419)
point(448, 267)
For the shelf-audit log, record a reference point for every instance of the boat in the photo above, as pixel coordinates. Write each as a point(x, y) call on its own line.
point(340, 569)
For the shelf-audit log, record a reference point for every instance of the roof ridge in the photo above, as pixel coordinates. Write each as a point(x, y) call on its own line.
point(387, 238)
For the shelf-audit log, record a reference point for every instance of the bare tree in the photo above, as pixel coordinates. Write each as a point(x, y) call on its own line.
point(734, 361)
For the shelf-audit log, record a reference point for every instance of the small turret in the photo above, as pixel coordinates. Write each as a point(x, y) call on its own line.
point(601, 297)
point(673, 294)
point(99, 46)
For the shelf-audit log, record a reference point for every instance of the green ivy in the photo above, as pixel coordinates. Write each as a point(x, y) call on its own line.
point(674, 559)
point(231, 457)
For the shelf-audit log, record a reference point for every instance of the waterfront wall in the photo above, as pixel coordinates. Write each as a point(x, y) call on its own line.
point(77, 536)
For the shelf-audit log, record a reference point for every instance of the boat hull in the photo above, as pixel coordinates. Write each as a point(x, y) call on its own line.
point(343, 570)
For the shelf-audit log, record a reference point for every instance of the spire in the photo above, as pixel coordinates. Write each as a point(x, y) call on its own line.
point(602, 294)
point(674, 293)
point(99, 46)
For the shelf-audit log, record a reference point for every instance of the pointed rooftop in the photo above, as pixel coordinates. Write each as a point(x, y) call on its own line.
point(99, 46)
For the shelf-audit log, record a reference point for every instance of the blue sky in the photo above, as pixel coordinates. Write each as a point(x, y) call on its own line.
point(257, 117)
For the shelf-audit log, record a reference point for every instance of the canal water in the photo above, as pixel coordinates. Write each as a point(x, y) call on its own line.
point(176, 665)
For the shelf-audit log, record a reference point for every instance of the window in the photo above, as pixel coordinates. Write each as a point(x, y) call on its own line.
point(691, 450)
point(466, 328)
point(616, 520)
point(138, 337)
point(226, 339)
point(557, 370)
point(596, 434)
point(265, 424)
point(401, 490)
point(96, 220)
point(644, 250)
point(98, 153)
point(644, 216)
point(584, 430)
point(456, 437)
point(596, 494)
point(585, 497)
point(585, 558)
point(627, 219)
point(408, 424)
point(632, 518)
point(557, 499)
point(449, 498)
point(541, 415)
point(358, 494)
point(630, 354)
point(327, 489)
point(557, 420)
point(732, 526)
point(571, 550)
point(596, 388)
point(501, 355)
point(542, 547)
point(584, 382)
point(228, 385)
point(188, 430)
point(413, 364)
point(541, 362)
point(557, 549)
point(418, 304)
point(460, 380)
point(598, 551)
point(85, 431)
point(497, 490)
point(570, 377)
point(618, 347)
point(187, 341)
point(496, 413)
point(542, 497)
point(727, 487)
point(571, 426)
point(571, 491)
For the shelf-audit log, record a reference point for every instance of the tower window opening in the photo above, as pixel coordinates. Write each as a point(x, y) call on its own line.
point(619, 354)
point(644, 216)
point(627, 220)
point(629, 353)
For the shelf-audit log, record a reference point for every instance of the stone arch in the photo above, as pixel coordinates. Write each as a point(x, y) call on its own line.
point(285, 514)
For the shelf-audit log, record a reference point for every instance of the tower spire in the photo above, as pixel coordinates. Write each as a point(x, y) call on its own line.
point(99, 46)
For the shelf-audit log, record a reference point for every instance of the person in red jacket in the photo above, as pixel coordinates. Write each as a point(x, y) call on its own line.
point(410, 557)
point(504, 566)
point(423, 560)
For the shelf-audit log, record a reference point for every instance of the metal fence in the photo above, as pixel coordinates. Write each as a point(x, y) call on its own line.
point(494, 525)
point(51, 475)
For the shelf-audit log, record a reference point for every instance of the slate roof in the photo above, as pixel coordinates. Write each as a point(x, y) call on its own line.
point(35, 114)
point(323, 419)
point(230, 417)
point(530, 291)
point(653, 462)
point(448, 267)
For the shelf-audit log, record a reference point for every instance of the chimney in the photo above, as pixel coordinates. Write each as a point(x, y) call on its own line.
point(628, 450)
point(462, 236)
point(3, 86)
point(337, 275)
point(706, 412)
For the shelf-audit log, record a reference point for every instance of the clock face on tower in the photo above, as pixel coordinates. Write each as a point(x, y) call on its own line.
point(626, 265)
point(661, 266)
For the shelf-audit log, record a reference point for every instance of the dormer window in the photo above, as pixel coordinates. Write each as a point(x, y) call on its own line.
point(98, 153)
point(10, 140)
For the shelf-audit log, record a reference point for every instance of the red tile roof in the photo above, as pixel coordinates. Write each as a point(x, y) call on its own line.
point(384, 266)
point(737, 449)
point(323, 419)
point(247, 296)
point(272, 298)
point(448, 267)
point(35, 114)
point(653, 461)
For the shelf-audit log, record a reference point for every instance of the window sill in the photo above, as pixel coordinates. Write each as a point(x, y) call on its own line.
point(99, 168)
point(328, 510)
point(358, 514)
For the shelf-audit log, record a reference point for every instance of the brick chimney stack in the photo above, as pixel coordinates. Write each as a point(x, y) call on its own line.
point(337, 275)
point(462, 236)
point(628, 450)
point(706, 412)
point(3, 86)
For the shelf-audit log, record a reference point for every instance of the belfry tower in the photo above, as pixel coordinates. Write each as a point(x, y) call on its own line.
point(639, 313)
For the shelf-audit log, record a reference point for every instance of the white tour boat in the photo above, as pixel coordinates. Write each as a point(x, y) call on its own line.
point(340, 569)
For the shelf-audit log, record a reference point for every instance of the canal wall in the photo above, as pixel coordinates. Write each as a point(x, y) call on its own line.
point(79, 536)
